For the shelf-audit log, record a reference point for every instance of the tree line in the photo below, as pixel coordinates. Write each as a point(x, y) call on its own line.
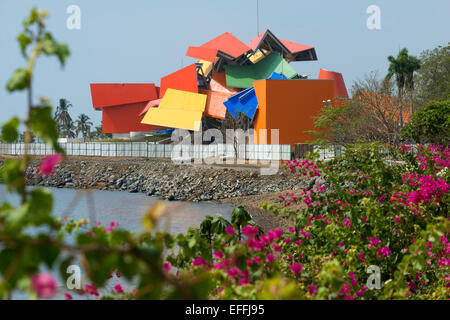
point(411, 103)
point(68, 128)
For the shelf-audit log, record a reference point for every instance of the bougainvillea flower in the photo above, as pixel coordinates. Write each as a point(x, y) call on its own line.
point(296, 268)
point(118, 288)
point(44, 284)
point(48, 165)
point(229, 230)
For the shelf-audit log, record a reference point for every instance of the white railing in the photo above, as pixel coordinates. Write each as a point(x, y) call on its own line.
point(149, 150)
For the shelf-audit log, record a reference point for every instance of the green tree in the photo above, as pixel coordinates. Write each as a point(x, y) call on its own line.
point(403, 68)
point(64, 120)
point(83, 125)
point(99, 134)
point(430, 124)
point(433, 78)
point(372, 114)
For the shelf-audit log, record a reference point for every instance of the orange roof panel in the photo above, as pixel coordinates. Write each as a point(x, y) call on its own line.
point(219, 83)
point(214, 103)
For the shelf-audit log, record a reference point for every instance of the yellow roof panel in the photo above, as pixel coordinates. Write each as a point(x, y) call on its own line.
point(256, 57)
point(206, 67)
point(174, 118)
point(177, 99)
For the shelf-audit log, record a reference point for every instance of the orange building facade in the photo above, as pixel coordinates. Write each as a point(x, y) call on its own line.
point(290, 106)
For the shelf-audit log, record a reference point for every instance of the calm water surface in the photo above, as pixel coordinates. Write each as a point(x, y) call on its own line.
point(125, 208)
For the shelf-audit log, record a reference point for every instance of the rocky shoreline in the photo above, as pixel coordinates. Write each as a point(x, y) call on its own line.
point(164, 179)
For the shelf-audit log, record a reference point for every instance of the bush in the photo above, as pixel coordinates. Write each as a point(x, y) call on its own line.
point(430, 124)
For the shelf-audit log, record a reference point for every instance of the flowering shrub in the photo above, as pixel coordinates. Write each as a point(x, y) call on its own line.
point(386, 209)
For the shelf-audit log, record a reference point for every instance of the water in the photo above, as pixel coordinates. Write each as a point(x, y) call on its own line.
point(125, 208)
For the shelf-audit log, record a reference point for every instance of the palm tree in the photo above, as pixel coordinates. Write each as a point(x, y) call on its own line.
point(83, 125)
point(403, 68)
point(63, 119)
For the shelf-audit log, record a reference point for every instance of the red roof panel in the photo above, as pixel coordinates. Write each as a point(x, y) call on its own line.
point(295, 47)
point(184, 79)
point(202, 53)
point(114, 94)
point(340, 89)
point(125, 119)
point(228, 44)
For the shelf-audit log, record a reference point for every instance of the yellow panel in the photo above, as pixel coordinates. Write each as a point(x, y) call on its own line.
point(174, 118)
point(206, 67)
point(256, 57)
point(177, 99)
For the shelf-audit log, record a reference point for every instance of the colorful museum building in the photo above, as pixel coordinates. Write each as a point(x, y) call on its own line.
point(231, 82)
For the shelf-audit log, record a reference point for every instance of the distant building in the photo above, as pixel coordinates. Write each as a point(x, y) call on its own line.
point(230, 79)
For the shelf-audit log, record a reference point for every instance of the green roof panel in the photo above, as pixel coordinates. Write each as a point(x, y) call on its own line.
point(243, 76)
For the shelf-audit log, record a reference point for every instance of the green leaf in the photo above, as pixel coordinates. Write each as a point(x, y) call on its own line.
point(11, 175)
point(32, 18)
point(240, 216)
point(15, 219)
point(41, 205)
point(44, 126)
point(20, 80)
point(51, 47)
point(9, 130)
point(24, 41)
point(49, 255)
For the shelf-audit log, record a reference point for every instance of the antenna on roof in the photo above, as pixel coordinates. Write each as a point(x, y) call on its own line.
point(257, 17)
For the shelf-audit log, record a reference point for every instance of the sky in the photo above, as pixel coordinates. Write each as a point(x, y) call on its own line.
point(140, 41)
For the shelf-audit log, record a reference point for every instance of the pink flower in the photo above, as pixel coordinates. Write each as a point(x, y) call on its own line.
point(47, 166)
point(118, 288)
point(198, 262)
point(312, 289)
point(296, 268)
point(250, 231)
point(67, 296)
point(269, 258)
point(218, 255)
point(167, 266)
point(229, 230)
point(44, 284)
point(91, 289)
point(233, 272)
point(384, 252)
